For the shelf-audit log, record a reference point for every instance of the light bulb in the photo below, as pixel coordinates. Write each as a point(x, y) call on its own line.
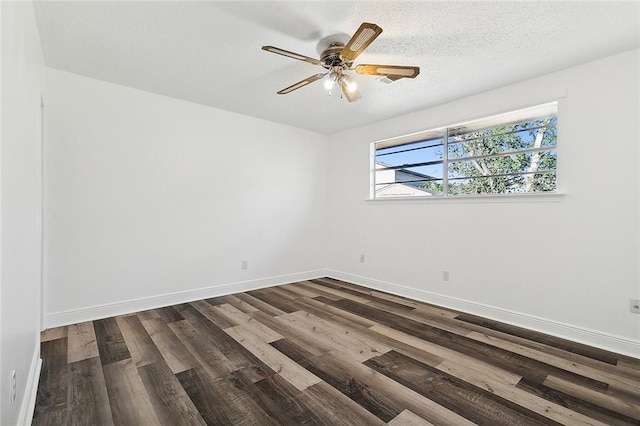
point(351, 86)
point(328, 83)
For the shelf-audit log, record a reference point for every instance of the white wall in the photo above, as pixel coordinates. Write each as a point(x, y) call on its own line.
point(566, 265)
point(147, 195)
point(20, 213)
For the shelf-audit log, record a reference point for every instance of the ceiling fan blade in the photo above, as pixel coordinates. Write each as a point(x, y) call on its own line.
point(293, 55)
point(360, 40)
point(391, 71)
point(301, 83)
point(349, 91)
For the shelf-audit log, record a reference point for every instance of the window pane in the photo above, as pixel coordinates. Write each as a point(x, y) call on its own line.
point(534, 182)
point(415, 175)
point(424, 189)
point(529, 162)
point(525, 135)
point(543, 182)
point(417, 152)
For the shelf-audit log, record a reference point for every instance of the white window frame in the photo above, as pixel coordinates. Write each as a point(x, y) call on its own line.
point(519, 115)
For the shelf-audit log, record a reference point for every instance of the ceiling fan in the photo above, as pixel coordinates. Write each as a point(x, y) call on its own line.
point(338, 59)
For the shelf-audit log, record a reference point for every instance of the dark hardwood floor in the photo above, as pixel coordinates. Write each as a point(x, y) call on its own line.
point(325, 352)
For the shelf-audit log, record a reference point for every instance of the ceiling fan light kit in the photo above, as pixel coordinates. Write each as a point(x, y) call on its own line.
point(338, 58)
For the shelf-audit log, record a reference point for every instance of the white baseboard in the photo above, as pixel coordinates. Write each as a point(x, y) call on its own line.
point(31, 391)
point(618, 344)
point(129, 306)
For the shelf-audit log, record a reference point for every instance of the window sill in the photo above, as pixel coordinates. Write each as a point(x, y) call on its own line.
point(553, 197)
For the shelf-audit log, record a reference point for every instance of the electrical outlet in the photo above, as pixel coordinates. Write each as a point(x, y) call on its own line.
point(244, 264)
point(362, 258)
point(634, 306)
point(12, 387)
point(445, 275)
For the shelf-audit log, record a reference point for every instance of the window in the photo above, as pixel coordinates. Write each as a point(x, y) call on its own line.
point(511, 153)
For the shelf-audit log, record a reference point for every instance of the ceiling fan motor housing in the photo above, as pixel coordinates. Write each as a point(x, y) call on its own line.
point(332, 57)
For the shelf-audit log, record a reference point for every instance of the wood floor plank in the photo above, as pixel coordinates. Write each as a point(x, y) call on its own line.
point(449, 354)
point(241, 304)
point(623, 395)
point(594, 411)
point(407, 418)
point(300, 290)
point(409, 398)
point(542, 406)
point(271, 299)
point(201, 393)
point(327, 311)
point(518, 364)
point(281, 364)
point(221, 401)
point(341, 285)
point(336, 409)
point(591, 352)
point(82, 342)
point(141, 347)
point(629, 365)
point(544, 348)
point(240, 318)
point(176, 355)
point(398, 299)
point(51, 399)
point(53, 334)
point(284, 403)
point(339, 292)
point(293, 334)
point(325, 300)
point(377, 295)
point(318, 290)
point(597, 398)
point(169, 314)
point(334, 336)
point(258, 329)
point(214, 315)
point(432, 320)
point(215, 301)
point(339, 376)
point(629, 384)
point(465, 399)
point(437, 311)
point(356, 327)
point(170, 401)
point(111, 344)
point(124, 386)
point(627, 371)
point(259, 304)
point(88, 402)
point(322, 330)
point(395, 393)
point(365, 297)
point(238, 356)
point(486, 377)
point(410, 303)
point(284, 293)
point(325, 352)
point(293, 350)
point(147, 315)
point(203, 349)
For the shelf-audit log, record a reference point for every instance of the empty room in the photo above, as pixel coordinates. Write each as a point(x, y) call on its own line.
point(331, 213)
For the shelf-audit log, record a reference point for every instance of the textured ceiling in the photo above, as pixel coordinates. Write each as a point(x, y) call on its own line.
point(209, 52)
